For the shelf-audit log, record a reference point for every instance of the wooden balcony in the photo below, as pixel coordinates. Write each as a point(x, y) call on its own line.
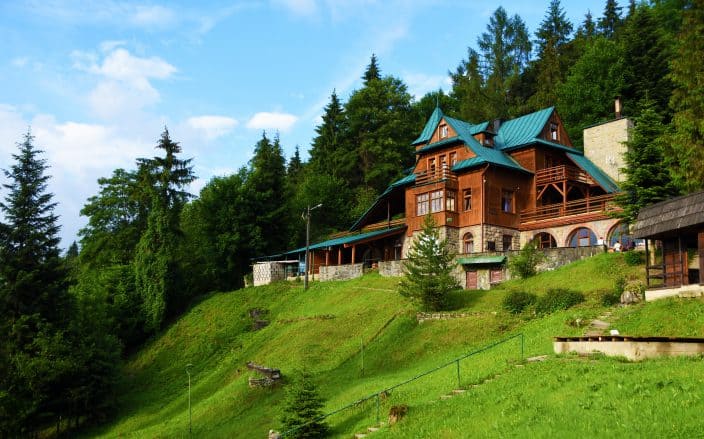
point(384, 225)
point(435, 176)
point(564, 213)
point(562, 173)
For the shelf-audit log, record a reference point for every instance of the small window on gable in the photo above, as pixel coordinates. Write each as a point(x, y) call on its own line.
point(554, 132)
point(443, 131)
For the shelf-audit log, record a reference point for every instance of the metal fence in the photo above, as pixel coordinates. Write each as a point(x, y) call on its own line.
point(377, 396)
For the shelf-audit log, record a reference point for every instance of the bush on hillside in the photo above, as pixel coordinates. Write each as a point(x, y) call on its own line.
point(525, 263)
point(557, 299)
point(517, 301)
point(633, 257)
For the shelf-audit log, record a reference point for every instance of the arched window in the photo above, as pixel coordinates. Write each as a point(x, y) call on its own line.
point(582, 237)
point(619, 233)
point(468, 240)
point(544, 240)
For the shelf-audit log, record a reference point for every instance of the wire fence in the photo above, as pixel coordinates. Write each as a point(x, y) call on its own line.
point(361, 405)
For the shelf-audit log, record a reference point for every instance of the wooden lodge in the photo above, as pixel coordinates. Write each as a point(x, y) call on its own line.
point(491, 187)
point(676, 227)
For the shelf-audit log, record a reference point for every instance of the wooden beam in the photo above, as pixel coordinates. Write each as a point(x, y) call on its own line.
point(339, 256)
point(327, 257)
point(701, 258)
point(354, 251)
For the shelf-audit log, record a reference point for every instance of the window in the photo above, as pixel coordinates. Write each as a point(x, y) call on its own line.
point(491, 246)
point(422, 204)
point(467, 200)
point(554, 132)
point(443, 131)
point(453, 158)
point(443, 162)
point(436, 201)
point(507, 241)
point(507, 201)
point(582, 237)
point(450, 197)
point(545, 240)
point(468, 240)
point(431, 165)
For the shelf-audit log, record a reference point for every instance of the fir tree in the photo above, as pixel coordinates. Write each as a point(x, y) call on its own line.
point(372, 73)
point(429, 268)
point(468, 89)
point(588, 28)
point(647, 177)
point(303, 410)
point(687, 101)
point(330, 151)
point(33, 277)
point(611, 20)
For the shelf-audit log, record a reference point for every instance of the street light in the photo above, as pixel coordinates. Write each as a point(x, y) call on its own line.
point(307, 217)
point(190, 417)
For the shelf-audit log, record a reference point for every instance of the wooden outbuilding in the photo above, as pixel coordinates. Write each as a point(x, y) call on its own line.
point(677, 227)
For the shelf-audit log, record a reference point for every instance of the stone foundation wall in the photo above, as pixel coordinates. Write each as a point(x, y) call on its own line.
point(340, 272)
point(264, 273)
point(391, 268)
point(496, 234)
point(557, 257)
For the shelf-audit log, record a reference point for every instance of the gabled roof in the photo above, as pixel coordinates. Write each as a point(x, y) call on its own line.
point(429, 128)
point(522, 130)
point(597, 174)
point(351, 239)
point(670, 216)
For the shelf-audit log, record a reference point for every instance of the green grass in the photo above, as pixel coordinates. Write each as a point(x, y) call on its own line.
point(321, 330)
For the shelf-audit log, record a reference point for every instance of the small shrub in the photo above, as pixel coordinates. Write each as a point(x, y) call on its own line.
point(557, 299)
point(610, 298)
point(516, 301)
point(633, 257)
point(525, 263)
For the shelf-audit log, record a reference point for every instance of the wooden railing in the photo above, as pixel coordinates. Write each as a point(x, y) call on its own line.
point(600, 204)
point(384, 224)
point(432, 176)
point(561, 173)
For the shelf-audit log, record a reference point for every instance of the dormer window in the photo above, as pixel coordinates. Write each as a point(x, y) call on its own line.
point(554, 132)
point(443, 131)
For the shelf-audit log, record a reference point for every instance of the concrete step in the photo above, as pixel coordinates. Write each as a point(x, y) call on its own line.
point(360, 435)
point(536, 359)
point(600, 324)
point(445, 396)
point(372, 429)
point(458, 391)
point(520, 365)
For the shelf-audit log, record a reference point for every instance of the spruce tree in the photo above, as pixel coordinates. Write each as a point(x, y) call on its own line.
point(303, 409)
point(428, 268)
point(611, 20)
point(330, 151)
point(372, 73)
point(647, 177)
point(468, 89)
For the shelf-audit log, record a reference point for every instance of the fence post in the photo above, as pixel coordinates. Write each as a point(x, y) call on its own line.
point(521, 346)
point(458, 374)
point(377, 409)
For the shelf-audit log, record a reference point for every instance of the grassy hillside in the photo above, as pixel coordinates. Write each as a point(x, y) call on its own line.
point(322, 329)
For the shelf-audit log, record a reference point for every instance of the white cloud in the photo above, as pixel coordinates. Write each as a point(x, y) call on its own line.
point(298, 7)
point(124, 86)
point(153, 15)
point(109, 45)
point(211, 126)
point(20, 62)
point(419, 83)
point(277, 121)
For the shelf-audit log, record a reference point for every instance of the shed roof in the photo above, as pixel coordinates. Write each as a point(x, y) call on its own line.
point(351, 239)
point(670, 216)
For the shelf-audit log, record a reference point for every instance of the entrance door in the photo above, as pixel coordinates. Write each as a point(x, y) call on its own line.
point(471, 280)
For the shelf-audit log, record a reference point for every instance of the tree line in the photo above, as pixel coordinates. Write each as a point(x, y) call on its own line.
point(150, 248)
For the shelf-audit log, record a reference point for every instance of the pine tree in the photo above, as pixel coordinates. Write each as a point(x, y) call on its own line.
point(33, 277)
point(372, 73)
point(687, 102)
point(611, 20)
point(505, 52)
point(303, 409)
point(429, 268)
point(647, 177)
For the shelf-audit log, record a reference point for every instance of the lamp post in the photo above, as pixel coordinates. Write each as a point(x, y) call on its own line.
point(307, 215)
point(190, 417)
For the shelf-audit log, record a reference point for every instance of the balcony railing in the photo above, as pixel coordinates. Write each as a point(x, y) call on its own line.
point(561, 173)
point(600, 204)
point(435, 175)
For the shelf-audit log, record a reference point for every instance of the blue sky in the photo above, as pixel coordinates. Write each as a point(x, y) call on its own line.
point(98, 80)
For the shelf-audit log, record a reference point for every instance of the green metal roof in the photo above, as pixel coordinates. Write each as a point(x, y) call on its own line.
point(490, 156)
point(480, 260)
point(349, 239)
point(405, 181)
point(429, 128)
point(442, 143)
point(597, 174)
point(522, 130)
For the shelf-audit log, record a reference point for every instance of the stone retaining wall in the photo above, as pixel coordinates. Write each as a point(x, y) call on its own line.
point(341, 272)
point(391, 268)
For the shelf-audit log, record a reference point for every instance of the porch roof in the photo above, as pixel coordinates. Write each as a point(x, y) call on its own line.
point(352, 239)
point(481, 260)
